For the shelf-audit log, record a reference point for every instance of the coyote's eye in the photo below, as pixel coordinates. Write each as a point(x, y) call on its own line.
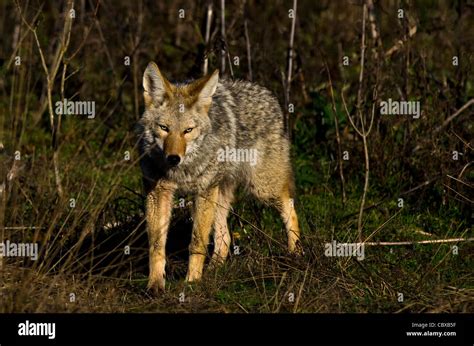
point(188, 130)
point(164, 128)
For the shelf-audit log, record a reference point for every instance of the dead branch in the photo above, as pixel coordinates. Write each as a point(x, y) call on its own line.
point(464, 168)
point(207, 36)
point(249, 55)
point(223, 53)
point(400, 43)
point(362, 60)
point(373, 28)
point(460, 181)
point(459, 194)
point(291, 53)
point(338, 137)
point(397, 243)
point(287, 80)
point(455, 115)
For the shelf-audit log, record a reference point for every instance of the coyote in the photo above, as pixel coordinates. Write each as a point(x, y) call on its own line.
point(205, 138)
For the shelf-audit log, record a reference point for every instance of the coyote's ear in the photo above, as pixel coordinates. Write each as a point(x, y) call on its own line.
point(155, 85)
point(208, 89)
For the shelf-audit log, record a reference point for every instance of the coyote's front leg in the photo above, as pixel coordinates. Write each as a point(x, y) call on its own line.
point(159, 203)
point(203, 219)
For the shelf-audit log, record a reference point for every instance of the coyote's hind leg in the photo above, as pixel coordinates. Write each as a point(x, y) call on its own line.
point(286, 206)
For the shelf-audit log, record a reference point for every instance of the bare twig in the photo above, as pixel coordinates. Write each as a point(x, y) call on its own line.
point(207, 36)
point(373, 28)
point(300, 291)
point(338, 137)
point(397, 46)
point(455, 115)
point(363, 132)
point(290, 65)
point(459, 194)
point(423, 184)
point(362, 60)
point(460, 181)
point(366, 175)
point(137, 38)
point(106, 50)
point(249, 55)
point(18, 45)
point(364, 136)
point(466, 143)
point(231, 69)
point(23, 227)
point(464, 168)
point(395, 243)
point(223, 53)
point(86, 31)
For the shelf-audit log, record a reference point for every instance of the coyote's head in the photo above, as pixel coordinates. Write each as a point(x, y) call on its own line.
point(176, 115)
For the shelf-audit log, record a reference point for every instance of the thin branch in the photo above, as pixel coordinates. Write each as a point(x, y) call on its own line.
point(463, 141)
point(249, 55)
point(290, 60)
point(362, 59)
point(460, 181)
point(383, 225)
point(362, 132)
point(372, 116)
point(397, 46)
point(455, 115)
point(207, 36)
point(349, 116)
point(338, 136)
point(366, 184)
point(464, 168)
point(223, 55)
point(395, 243)
point(373, 28)
point(231, 69)
point(14, 53)
point(459, 194)
point(86, 35)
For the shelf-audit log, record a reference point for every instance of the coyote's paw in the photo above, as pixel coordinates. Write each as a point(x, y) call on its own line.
point(156, 286)
point(297, 250)
point(193, 276)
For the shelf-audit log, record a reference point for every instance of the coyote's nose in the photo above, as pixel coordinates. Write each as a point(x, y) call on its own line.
point(173, 160)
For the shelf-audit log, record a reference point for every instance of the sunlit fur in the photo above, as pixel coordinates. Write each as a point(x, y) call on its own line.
point(221, 114)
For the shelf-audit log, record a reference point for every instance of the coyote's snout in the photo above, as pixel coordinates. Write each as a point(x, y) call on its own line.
point(207, 137)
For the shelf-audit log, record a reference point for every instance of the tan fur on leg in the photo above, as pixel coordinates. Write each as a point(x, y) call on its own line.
point(288, 214)
point(158, 214)
point(221, 230)
point(203, 220)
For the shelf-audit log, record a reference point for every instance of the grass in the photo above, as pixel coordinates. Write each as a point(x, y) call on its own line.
point(261, 278)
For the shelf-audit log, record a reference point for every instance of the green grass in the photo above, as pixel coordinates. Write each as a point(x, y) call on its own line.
point(263, 277)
